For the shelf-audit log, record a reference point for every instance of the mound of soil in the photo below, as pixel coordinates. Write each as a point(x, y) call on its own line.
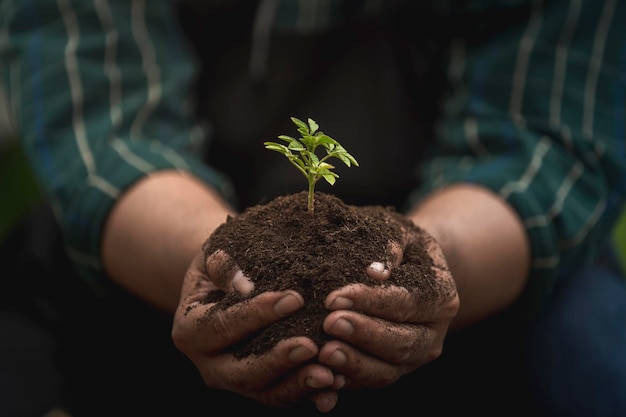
point(280, 245)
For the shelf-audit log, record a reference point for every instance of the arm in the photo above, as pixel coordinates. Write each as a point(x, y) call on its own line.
point(155, 230)
point(523, 183)
point(102, 110)
point(101, 92)
point(485, 245)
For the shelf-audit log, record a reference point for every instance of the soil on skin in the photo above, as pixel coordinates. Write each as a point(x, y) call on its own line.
point(280, 245)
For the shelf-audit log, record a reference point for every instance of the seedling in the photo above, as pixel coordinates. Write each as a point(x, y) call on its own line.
point(301, 153)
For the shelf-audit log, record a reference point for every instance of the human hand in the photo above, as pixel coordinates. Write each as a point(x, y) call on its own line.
point(281, 377)
point(385, 332)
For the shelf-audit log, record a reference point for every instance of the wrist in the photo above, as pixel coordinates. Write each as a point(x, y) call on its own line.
point(484, 243)
point(155, 230)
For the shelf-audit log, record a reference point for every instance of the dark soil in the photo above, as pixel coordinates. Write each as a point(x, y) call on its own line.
point(280, 245)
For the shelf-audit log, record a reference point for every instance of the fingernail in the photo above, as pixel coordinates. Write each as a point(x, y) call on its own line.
point(341, 327)
point(377, 267)
point(300, 354)
point(338, 358)
point(313, 383)
point(378, 271)
point(242, 284)
point(341, 303)
point(287, 305)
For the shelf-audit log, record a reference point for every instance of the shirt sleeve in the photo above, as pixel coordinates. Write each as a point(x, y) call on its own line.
point(100, 96)
point(535, 112)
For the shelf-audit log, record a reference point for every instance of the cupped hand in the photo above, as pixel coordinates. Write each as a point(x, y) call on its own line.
point(281, 377)
point(385, 332)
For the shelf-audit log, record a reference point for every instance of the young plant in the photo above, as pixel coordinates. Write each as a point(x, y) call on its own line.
point(301, 153)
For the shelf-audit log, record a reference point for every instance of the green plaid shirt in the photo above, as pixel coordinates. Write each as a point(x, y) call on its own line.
point(533, 110)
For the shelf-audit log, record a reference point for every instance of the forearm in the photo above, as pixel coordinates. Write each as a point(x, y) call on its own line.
point(153, 232)
point(485, 245)
point(558, 165)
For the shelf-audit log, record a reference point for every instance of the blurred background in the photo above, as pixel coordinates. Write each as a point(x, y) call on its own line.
point(18, 189)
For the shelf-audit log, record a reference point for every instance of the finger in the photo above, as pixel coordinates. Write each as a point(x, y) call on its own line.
point(258, 374)
point(381, 271)
point(428, 303)
point(210, 328)
point(241, 283)
point(283, 382)
point(325, 401)
point(390, 302)
point(314, 382)
point(196, 285)
point(226, 275)
point(378, 271)
point(411, 344)
point(359, 369)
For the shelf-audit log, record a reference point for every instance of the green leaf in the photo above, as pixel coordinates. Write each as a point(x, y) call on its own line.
point(315, 161)
point(276, 147)
point(326, 140)
point(346, 158)
point(301, 153)
point(297, 146)
point(288, 139)
point(300, 124)
point(313, 126)
point(330, 178)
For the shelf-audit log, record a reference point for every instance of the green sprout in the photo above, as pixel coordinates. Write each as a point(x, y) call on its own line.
point(301, 153)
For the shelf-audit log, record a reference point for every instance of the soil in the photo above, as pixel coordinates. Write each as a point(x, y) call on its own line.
point(280, 245)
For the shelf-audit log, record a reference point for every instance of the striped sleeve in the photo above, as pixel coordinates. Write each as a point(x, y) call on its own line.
point(99, 91)
point(535, 112)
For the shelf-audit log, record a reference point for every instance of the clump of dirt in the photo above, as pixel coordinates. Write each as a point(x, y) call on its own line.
point(280, 245)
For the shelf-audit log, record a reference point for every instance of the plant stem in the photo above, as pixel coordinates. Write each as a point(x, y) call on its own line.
point(311, 199)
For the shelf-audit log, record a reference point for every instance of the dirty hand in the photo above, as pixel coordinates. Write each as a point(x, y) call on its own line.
point(385, 332)
point(281, 377)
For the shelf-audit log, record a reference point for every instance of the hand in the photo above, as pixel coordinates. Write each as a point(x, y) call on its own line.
point(281, 377)
point(386, 332)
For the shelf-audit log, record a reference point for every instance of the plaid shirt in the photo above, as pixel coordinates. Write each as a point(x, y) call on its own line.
point(534, 109)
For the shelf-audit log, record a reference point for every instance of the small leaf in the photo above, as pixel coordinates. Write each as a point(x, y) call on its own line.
point(315, 161)
point(330, 178)
point(326, 165)
point(300, 124)
point(326, 140)
point(287, 138)
point(313, 126)
point(309, 142)
point(296, 146)
point(276, 147)
point(346, 158)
